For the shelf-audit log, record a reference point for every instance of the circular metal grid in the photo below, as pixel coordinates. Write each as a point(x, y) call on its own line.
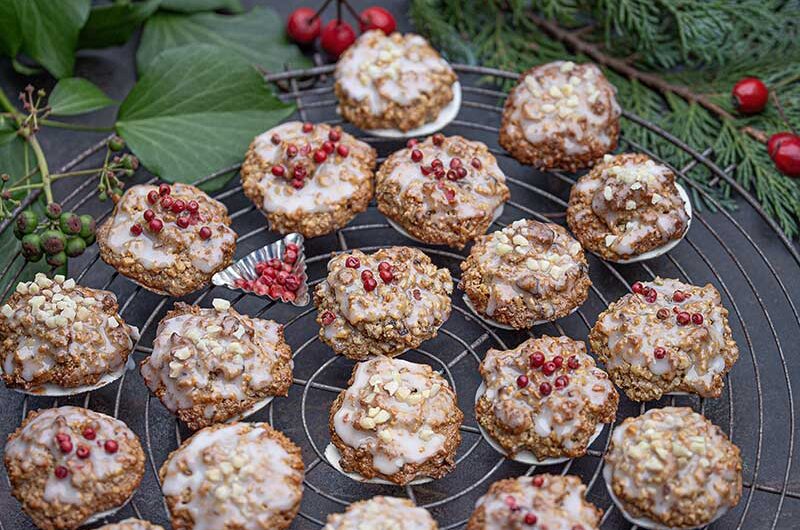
point(758, 416)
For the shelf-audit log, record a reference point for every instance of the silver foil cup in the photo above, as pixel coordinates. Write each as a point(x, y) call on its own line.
point(245, 268)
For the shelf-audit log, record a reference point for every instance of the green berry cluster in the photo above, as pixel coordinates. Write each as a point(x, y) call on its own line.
point(58, 236)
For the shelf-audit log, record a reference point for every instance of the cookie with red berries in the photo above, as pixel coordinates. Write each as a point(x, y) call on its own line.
point(170, 239)
point(70, 466)
point(308, 178)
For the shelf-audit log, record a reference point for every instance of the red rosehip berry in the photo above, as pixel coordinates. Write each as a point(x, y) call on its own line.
point(377, 18)
point(82, 452)
point(476, 163)
point(573, 363)
point(366, 273)
point(343, 150)
point(352, 262)
point(384, 266)
point(537, 481)
point(697, 319)
point(436, 163)
point(530, 519)
point(327, 318)
point(166, 202)
point(308, 127)
point(787, 157)
point(65, 446)
point(182, 222)
point(328, 146)
point(416, 155)
point(545, 388)
point(650, 296)
point(370, 284)
point(683, 318)
point(558, 361)
point(192, 206)
point(136, 230)
point(536, 359)
point(548, 368)
point(386, 276)
point(561, 381)
point(302, 26)
point(111, 446)
point(164, 189)
point(334, 135)
point(155, 225)
point(663, 313)
point(337, 36)
point(320, 156)
point(61, 472)
point(278, 170)
point(522, 381)
point(659, 352)
point(152, 197)
point(178, 206)
point(638, 288)
point(678, 296)
point(89, 433)
point(750, 95)
point(776, 140)
point(205, 233)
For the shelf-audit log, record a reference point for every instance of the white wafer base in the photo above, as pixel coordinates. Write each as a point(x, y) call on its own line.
point(527, 457)
point(107, 513)
point(52, 390)
point(646, 522)
point(495, 216)
point(249, 411)
point(333, 456)
point(446, 115)
point(497, 324)
point(656, 252)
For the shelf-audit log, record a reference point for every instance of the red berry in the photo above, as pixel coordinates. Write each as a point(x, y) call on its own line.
point(476, 163)
point(562, 381)
point(416, 155)
point(522, 381)
point(276, 291)
point(82, 452)
point(352, 262)
point(452, 174)
point(65, 446)
point(297, 184)
point(377, 18)
point(386, 276)
point(650, 296)
point(278, 171)
point(573, 363)
point(281, 277)
point(292, 283)
point(787, 157)
point(111, 446)
point(545, 388)
point(343, 150)
point(152, 197)
point(155, 225)
point(638, 288)
point(291, 150)
point(370, 284)
point(293, 247)
point(328, 146)
point(683, 318)
point(302, 26)
point(558, 361)
point(662, 313)
point(461, 171)
point(192, 206)
point(337, 36)
point(166, 202)
point(530, 519)
point(537, 481)
point(308, 127)
point(776, 140)
point(320, 156)
point(366, 273)
point(178, 206)
point(438, 139)
point(136, 230)
point(328, 318)
point(334, 135)
point(548, 368)
point(61, 472)
point(511, 502)
point(436, 163)
point(289, 296)
point(205, 233)
point(276, 139)
point(290, 256)
point(182, 222)
point(455, 163)
point(536, 359)
point(678, 296)
point(426, 170)
point(411, 142)
point(750, 95)
point(697, 319)
point(89, 433)
point(384, 266)
point(164, 189)
point(659, 352)
point(449, 194)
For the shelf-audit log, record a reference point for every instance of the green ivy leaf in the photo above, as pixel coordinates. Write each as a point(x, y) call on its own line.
point(193, 6)
point(257, 36)
point(113, 24)
point(7, 131)
point(49, 30)
point(195, 111)
point(10, 35)
point(74, 95)
point(12, 154)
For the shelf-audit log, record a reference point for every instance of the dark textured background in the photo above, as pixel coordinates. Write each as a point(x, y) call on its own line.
point(744, 262)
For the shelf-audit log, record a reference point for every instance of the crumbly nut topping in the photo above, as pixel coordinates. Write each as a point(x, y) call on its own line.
point(397, 68)
point(398, 412)
point(666, 336)
point(444, 184)
point(178, 240)
point(537, 264)
point(131, 524)
point(205, 358)
point(58, 332)
point(84, 456)
point(382, 513)
point(627, 205)
point(545, 396)
point(542, 501)
point(382, 303)
point(243, 475)
point(568, 103)
point(303, 167)
point(673, 466)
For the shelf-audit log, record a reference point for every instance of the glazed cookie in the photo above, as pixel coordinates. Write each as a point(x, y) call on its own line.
point(131, 524)
point(242, 476)
point(382, 513)
point(169, 239)
point(546, 397)
point(392, 82)
point(383, 303)
point(60, 338)
point(443, 191)
point(306, 178)
point(666, 336)
point(397, 421)
point(561, 115)
point(543, 501)
point(628, 207)
point(526, 273)
point(213, 365)
point(71, 466)
point(672, 468)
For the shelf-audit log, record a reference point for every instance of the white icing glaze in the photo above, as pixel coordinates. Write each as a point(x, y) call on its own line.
point(233, 476)
point(211, 356)
point(379, 68)
point(392, 410)
point(382, 513)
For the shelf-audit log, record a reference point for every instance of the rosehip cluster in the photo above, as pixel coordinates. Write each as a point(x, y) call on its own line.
point(82, 451)
point(295, 168)
point(538, 361)
point(385, 271)
point(275, 277)
point(58, 236)
point(529, 518)
point(185, 213)
point(304, 26)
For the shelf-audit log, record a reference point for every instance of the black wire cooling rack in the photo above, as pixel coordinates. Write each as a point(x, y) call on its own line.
point(743, 254)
